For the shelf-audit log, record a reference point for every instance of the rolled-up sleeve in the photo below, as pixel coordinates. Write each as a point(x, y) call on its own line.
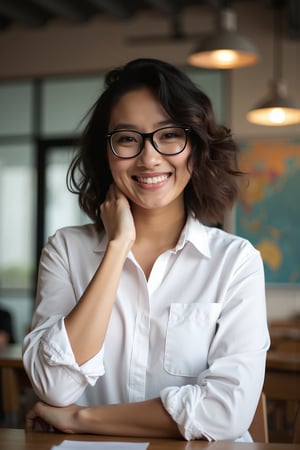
point(47, 354)
point(54, 374)
point(222, 403)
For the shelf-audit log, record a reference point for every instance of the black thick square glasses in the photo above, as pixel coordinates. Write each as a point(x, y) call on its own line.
point(166, 141)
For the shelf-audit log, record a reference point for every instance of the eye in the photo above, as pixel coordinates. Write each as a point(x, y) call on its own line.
point(125, 138)
point(170, 134)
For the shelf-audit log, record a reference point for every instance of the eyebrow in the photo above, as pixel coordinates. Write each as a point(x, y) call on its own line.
point(130, 126)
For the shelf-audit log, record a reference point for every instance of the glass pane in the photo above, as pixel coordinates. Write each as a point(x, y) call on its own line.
point(61, 207)
point(212, 84)
point(16, 113)
point(65, 102)
point(17, 204)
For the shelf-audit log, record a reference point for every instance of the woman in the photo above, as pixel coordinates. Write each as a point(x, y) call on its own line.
point(150, 319)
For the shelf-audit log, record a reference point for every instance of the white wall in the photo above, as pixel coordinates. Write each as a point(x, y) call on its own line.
point(283, 302)
point(101, 44)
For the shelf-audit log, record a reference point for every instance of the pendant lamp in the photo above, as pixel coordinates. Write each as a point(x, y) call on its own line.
point(226, 49)
point(276, 109)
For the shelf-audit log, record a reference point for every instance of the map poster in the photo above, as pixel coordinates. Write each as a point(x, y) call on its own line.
point(268, 211)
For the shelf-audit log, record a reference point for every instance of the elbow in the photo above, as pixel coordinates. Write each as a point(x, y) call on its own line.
point(50, 397)
point(54, 384)
point(54, 394)
point(53, 388)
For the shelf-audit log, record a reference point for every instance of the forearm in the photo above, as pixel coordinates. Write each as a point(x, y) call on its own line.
point(87, 323)
point(142, 419)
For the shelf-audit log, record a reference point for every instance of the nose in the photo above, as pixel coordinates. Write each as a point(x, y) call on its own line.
point(149, 156)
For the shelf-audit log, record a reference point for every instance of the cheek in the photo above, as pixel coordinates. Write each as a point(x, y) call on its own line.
point(113, 163)
point(185, 166)
point(118, 168)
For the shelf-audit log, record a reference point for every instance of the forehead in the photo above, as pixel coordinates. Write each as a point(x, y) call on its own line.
point(137, 107)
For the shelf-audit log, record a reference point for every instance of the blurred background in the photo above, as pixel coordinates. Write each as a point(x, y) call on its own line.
point(53, 56)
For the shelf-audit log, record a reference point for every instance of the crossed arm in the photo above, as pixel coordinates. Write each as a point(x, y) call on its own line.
point(142, 419)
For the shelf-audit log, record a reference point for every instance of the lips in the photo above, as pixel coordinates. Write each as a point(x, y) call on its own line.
point(152, 180)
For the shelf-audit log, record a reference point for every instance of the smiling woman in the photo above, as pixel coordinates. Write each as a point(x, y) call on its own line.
point(152, 172)
point(150, 318)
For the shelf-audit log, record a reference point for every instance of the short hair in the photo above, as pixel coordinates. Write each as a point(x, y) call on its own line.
point(213, 187)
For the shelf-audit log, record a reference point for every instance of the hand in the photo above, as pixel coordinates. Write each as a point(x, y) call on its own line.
point(117, 217)
point(44, 417)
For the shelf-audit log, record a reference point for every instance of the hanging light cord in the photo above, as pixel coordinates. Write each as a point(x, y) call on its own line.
point(277, 41)
point(277, 109)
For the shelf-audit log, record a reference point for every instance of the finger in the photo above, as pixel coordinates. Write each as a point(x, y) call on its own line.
point(113, 196)
point(115, 192)
point(29, 424)
point(31, 420)
point(34, 418)
point(110, 197)
point(36, 424)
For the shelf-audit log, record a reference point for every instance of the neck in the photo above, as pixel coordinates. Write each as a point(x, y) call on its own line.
point(156, 232)
point(162, 226)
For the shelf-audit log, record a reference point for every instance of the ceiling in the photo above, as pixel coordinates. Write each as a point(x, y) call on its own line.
point(39, 13)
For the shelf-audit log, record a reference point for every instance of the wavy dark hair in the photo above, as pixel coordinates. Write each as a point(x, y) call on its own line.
point(214, 185)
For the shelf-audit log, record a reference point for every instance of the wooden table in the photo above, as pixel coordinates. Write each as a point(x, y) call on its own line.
point(13, 378)
point(17, 439)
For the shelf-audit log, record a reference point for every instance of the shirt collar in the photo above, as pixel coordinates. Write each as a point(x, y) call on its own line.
point(193, 232)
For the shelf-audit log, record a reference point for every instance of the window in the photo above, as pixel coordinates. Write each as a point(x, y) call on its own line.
point(17, 224)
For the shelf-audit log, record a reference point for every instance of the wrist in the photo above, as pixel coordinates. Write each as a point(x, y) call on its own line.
point(87, 421)
point(121, 246)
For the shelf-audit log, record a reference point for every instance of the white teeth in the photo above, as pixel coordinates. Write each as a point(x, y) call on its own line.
point(152, 180)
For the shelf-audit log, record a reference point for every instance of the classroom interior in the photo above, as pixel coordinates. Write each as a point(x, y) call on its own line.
point(52, 64)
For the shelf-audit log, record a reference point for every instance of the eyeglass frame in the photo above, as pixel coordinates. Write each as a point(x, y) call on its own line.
point(145, 136)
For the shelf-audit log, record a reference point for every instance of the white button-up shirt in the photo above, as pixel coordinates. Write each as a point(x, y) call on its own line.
point(195, 333)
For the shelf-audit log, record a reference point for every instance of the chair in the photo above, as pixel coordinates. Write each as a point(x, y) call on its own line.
point(296, 436)
point(259, 426)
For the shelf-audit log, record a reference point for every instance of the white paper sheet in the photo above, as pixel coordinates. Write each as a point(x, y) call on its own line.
point(100, 445)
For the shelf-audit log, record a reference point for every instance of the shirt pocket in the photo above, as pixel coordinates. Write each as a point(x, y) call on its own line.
point(190, 330)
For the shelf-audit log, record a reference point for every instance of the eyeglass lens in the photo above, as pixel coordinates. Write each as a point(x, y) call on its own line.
point(168, 140)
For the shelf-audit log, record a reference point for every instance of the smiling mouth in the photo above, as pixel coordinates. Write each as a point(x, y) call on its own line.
point(152, 180)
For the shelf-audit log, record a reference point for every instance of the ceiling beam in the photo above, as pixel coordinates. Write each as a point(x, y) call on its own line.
point(165, 6)
point(20, 11)
point(117, 8)
point(68, 9)
point(293, 11)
